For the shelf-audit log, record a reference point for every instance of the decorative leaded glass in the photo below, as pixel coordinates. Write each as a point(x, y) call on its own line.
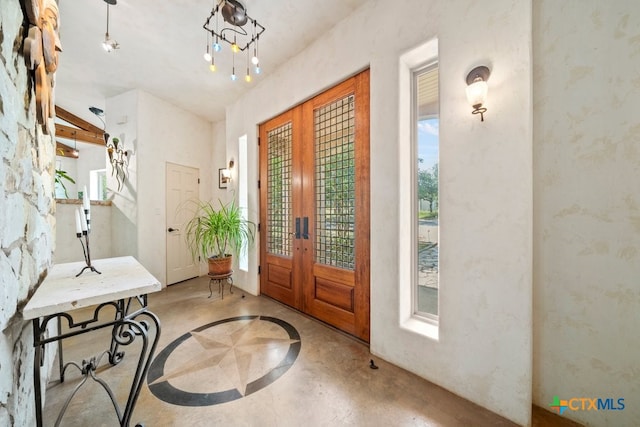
point(279, 204)
point(334, 137)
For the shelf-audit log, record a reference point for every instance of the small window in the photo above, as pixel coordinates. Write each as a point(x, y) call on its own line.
point(426, 155)
point(98, 184)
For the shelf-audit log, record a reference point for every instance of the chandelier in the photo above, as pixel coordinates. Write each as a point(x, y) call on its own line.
point(233, 30)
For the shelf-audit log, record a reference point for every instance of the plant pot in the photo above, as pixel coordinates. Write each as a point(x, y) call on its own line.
point(220, 266)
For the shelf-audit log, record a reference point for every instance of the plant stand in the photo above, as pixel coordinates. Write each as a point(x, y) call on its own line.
point(221, 279)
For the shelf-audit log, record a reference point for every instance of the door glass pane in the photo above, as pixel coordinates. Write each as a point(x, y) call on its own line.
point(427, 144)
point(334, 141)
point(279, 204)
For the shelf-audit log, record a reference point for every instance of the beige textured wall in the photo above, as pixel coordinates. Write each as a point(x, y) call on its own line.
point(484, 351)
point(124, 211)
point(26, 220)
point(157, 132)
point(68, 248)
point(587, 205)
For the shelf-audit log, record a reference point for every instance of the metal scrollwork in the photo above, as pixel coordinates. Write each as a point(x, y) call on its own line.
point(128, 324)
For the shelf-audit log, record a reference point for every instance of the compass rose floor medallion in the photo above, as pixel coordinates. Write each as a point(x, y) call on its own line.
point(224, 361)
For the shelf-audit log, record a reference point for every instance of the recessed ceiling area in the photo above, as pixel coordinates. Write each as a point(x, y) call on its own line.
point(162, 45)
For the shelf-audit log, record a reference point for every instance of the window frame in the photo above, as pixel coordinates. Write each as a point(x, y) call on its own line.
point(415, 73)
point(419, 56)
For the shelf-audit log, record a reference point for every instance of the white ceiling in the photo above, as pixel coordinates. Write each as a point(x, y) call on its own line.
point(162, 45)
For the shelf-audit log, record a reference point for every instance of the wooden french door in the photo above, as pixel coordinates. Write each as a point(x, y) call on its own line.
point(314, 206)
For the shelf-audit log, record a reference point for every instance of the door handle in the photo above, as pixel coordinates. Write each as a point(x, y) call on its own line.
point(172, 229)
point(298, 228)
point(305, 231)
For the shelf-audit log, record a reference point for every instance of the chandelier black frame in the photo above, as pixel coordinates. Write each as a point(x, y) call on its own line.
point(234, 13)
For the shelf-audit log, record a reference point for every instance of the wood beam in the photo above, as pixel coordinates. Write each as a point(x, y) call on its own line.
point(71, 118)
point(69, 132)
point(64, 151)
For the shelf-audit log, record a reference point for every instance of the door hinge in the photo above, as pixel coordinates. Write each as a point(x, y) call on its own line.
point(259, 269)
point(258, 227)
point(258, 184)
point(198, 180)
point(258, 141)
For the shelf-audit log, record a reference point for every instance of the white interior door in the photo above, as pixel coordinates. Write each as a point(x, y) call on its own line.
point(182, 185)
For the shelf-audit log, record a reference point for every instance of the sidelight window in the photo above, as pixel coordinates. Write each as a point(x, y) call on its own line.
point(426, 143)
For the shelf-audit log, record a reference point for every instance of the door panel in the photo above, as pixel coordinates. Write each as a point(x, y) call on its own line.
point(182, 185)
point(325, 220)
point(277, 206)
point(338, 289)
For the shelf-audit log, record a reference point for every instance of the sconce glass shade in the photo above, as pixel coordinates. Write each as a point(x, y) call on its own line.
point(477, 89)
point(477, 93)
point(226, 174)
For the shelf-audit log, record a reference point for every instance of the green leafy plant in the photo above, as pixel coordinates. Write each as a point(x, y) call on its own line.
point(60, 177)
point(218, 232)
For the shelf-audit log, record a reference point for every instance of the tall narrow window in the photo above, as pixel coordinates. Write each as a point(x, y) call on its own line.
point(426, 142)
point(243, 196)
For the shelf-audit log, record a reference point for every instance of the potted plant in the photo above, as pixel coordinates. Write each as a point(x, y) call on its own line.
point(217, 234)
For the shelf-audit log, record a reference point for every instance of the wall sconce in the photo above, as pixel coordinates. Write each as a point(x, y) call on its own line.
point(118, 156)
point(477, 89)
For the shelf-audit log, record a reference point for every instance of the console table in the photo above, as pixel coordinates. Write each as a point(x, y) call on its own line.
point(120, 292)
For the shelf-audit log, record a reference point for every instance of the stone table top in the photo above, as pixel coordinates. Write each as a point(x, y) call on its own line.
point(62, 291)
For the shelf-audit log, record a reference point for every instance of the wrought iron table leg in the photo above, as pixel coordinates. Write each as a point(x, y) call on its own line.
point(146, 356)
point(125, 330)
point(37, 360)
point(60, 355)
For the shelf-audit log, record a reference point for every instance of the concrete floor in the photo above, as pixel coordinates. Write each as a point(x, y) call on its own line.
point(275, 367)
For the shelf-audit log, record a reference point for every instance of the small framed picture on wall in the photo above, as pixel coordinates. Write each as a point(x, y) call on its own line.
point(223, 177)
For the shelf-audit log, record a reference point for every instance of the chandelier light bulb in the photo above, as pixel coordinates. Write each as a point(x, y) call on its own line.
point(234, 77)
point(257, 70)
point(247, 77)
point(108, 45)
point(213, 67)
point(235, 48)
point(254, 59)
point(207, 55)
point(217, 47)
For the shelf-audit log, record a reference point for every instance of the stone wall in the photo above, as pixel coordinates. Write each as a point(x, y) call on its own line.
point(26, 218)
